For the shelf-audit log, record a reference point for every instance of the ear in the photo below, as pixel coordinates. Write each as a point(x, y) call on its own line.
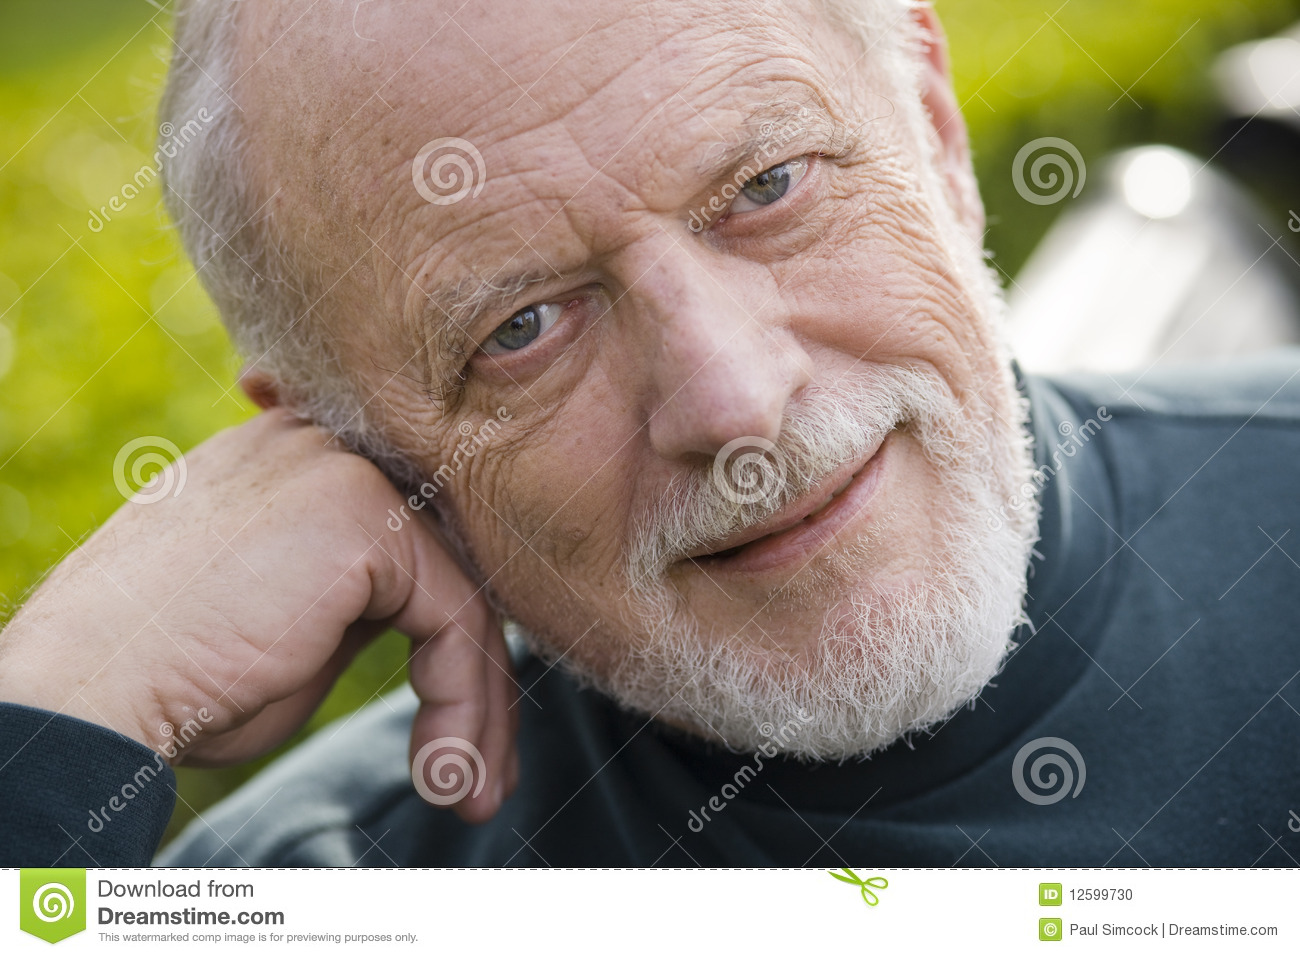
point(260, 387)
point(953, 152)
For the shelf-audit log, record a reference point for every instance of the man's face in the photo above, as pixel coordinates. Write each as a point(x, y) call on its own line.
point(710, 248)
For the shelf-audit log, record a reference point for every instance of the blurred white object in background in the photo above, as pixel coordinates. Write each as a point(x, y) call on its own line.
point(1165, 260)
point(1262, 79)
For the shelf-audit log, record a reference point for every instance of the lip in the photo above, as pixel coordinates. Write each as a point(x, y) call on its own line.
point(796, 532)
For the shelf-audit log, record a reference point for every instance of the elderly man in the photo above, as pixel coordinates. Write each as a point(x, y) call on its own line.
point(661, 331)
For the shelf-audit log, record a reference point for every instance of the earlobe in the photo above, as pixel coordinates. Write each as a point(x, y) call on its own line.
point(260, 387)
point(947, 122)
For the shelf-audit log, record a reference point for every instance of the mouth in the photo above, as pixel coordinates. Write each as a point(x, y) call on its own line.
point(795, 533)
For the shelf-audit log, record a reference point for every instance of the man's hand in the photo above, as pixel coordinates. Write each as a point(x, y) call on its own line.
point(243, 598)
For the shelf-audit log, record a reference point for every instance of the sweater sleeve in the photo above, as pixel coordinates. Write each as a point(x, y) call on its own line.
point(77, 794)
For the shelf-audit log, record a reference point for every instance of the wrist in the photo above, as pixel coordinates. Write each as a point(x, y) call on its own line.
point(37, 681)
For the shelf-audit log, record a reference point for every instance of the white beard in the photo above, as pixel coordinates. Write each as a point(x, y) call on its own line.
point(887, 662)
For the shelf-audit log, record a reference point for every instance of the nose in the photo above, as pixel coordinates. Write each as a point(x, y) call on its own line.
point(720, 364)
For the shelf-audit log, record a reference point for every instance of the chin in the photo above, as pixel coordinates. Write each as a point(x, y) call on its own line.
point(875, 667)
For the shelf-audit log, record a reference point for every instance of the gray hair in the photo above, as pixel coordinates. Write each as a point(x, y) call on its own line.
point(268, 298)
point(269, 301)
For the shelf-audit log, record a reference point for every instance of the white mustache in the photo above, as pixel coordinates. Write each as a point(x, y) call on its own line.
point(828, 428)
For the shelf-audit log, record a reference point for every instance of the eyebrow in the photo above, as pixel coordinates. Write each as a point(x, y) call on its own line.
point(450, 310)
point(773, 127)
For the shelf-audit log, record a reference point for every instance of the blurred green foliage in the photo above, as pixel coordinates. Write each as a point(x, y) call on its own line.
point(106, 336)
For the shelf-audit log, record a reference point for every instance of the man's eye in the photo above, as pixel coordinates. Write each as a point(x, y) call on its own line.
point(769, 186)
point(523, 328)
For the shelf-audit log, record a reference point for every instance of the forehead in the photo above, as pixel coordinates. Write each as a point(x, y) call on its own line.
point(349, 93)
point(580, 111)
point(472, 64)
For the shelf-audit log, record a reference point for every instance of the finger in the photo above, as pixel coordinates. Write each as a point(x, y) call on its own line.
point(416, 581)
point(512, 778)
point(457, 642)
point(448, 767)
point(514, 692)
point(498, 737)
point(453, 631)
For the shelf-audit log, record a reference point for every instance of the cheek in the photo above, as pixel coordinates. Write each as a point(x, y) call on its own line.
point(485, 507)
point(884, 289)
point(551, 508)
point(553, 535)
